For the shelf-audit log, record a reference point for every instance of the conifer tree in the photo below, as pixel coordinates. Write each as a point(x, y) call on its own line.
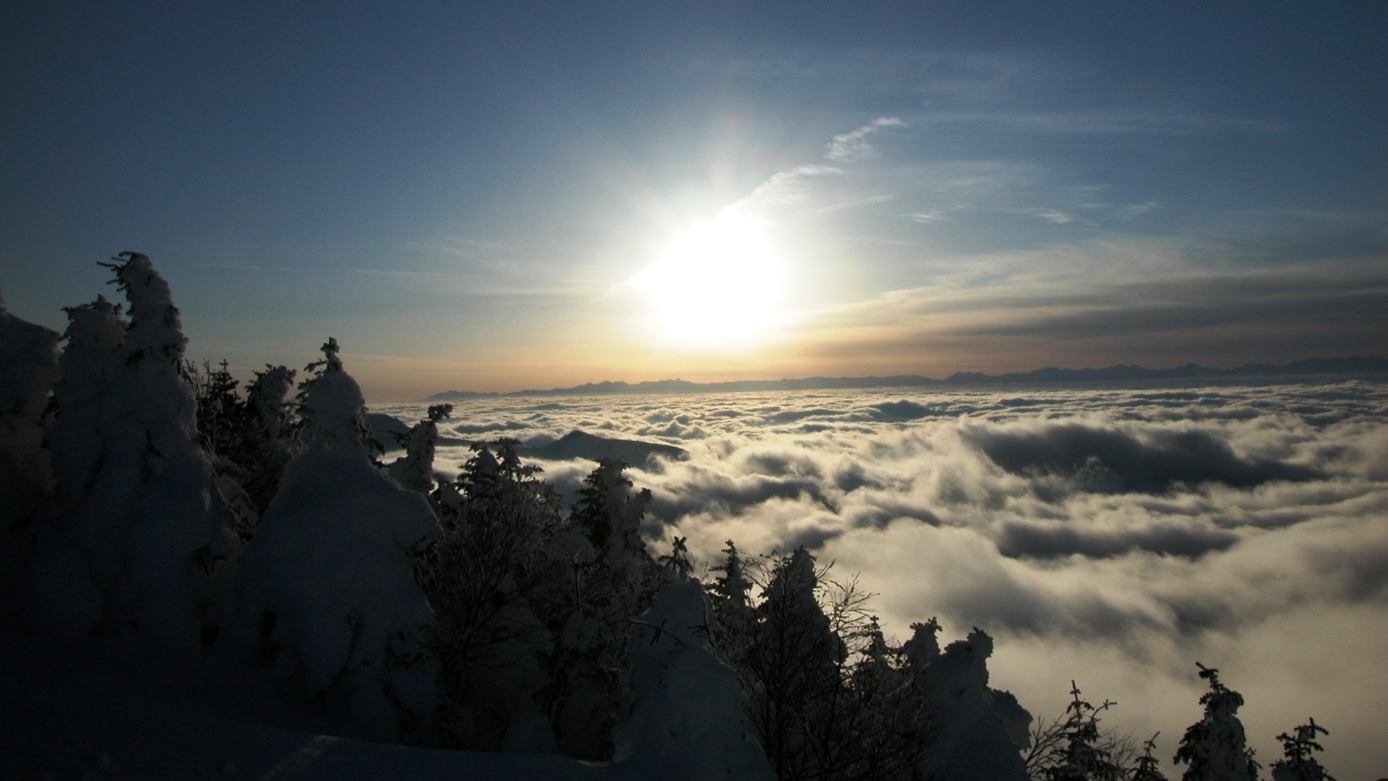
point(486, 576)
point(792, 664)
point(1299, 762)
point(327, 596)
point(1147, 766)
point(1079, 755)
point(1214, 748)
point(612, 579)
point(415, 469)
point(138, 522)
point(730, 595)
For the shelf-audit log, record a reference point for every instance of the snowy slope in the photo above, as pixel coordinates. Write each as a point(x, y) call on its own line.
point(121, 708)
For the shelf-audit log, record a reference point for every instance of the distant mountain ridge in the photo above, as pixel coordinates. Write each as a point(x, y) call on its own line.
point(1355, 364)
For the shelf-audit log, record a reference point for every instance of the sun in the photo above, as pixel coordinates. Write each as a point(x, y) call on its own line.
point(715, 287)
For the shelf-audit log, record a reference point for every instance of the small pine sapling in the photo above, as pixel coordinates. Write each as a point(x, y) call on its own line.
point(1148, 767)
point(1299, 761)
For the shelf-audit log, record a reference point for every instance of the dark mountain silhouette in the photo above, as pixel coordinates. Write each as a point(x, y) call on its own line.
point(1353, 365)
point(580, 444)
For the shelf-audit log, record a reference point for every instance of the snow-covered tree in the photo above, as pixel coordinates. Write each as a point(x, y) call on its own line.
point(1299, 749)
point(971, 740)
point(730, 597)
point(138, 521)
point(246, 446)
point(415, 469)
point(267, 444)
point(327, 595)
point(791, 664)
point(484, 575)
point(610, 580)
point(689, 716)
point(28, 369)
point(1214, 748)
point(885, 714)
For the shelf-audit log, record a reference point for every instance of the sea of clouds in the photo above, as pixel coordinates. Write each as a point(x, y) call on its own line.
point(1111, 536)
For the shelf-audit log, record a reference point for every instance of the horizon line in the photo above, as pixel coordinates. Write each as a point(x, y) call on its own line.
point(1354, 364)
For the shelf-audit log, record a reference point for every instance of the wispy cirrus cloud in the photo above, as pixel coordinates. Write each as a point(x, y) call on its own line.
point(854, 145)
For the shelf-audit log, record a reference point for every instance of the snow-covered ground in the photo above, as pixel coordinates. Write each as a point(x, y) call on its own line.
point(124, 708)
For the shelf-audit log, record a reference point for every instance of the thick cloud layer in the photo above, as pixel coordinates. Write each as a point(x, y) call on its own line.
point(1113, 536)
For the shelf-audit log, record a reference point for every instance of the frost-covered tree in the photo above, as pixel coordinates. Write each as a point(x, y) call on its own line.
point(791, 663)
point(978, 731)
point(245, 443)
point(689, 716)
point(138, 521)
point(415, 469)
point(610, 580)
point(885, 715)
point(327, 596)
point(28, 369)
point(268, 445)
point(730, 597)
point(484, 574)
point(1214, 748)
point(1299, 749)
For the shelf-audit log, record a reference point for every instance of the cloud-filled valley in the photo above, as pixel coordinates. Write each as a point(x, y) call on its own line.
point(1149, 528)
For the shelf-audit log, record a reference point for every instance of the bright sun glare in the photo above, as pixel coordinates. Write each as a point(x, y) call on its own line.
point(715, 287)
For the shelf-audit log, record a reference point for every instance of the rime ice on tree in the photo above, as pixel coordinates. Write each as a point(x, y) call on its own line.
point(972, 741)
point(1214, 747)
point(415, 469)
point(689, 719)
point(137, 519)
point(327, 589)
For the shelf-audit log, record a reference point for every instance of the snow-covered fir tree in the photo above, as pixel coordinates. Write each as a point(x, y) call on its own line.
point(1299, 749)
point(689, 719)
point(791, 665)
point(1214, 748)
point(610, 580)
point(415, 469)
point(138, 521)
point(327, 596)
point(267, 444)
point(484, 575)
point(730, 597)
point(886, 714)
point(972, 739)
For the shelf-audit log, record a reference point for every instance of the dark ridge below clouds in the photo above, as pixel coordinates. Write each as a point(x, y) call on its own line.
point(1353, 365)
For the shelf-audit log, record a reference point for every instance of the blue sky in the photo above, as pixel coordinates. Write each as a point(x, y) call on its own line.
point(473, 196)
